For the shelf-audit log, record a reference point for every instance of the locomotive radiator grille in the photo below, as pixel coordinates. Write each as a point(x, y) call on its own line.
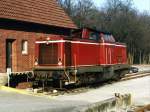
point(48, 54)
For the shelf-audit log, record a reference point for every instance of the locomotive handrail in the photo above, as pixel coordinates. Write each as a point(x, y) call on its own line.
point(65, 68)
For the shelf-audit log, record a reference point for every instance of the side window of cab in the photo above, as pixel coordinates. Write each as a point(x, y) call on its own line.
point(94, 36)
point(108, 38)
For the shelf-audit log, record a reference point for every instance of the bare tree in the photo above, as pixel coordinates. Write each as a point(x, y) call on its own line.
point(118, 17)
point(68, 6)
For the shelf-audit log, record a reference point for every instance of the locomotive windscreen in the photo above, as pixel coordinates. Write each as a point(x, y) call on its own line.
point(48, 53)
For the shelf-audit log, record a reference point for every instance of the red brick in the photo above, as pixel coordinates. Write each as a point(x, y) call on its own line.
point(20, 62)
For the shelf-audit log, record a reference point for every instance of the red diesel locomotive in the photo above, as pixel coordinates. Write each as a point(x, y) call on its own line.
point(89, 56)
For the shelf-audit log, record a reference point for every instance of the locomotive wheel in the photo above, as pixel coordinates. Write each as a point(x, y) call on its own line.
point(88, 78)
point(117, 75)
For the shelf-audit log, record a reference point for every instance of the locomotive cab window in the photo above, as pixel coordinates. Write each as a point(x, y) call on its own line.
point(108, 38)
point(94, 36)
point(24, 47)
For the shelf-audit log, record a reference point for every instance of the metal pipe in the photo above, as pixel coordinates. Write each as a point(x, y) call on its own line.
point(67, 75)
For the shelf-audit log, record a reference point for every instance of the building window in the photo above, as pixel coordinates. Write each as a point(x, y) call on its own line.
point(24, 47)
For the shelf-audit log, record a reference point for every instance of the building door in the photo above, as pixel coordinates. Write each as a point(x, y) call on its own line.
point(9, 54)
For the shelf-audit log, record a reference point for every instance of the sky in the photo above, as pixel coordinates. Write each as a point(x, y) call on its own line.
point(141, 5)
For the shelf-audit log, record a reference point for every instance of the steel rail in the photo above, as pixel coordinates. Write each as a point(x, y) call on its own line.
point(135, 75)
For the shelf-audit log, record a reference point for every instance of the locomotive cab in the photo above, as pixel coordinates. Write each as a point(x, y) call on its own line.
point(94, 35)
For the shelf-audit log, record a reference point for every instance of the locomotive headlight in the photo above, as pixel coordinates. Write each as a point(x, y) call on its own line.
point(36, 62)
point(59, 62)
point(47, 40)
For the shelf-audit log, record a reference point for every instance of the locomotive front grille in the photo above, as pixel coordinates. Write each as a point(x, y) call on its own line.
point(48, 54)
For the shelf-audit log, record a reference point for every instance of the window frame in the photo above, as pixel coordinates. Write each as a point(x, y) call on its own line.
point(24, 47)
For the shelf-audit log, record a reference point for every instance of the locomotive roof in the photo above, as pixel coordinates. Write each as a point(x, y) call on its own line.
point(94, 30)
point(46, 12)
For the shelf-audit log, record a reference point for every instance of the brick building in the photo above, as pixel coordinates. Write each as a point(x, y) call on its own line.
point(21, 23)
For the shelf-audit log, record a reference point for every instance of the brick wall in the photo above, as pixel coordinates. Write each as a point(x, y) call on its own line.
point(20, 62)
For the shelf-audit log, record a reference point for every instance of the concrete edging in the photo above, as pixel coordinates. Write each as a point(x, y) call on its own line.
point(116, 104)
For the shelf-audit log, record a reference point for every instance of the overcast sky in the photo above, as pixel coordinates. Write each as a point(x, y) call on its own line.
point(141, 5)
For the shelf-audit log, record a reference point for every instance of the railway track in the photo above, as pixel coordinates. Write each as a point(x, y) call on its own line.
point(81, 89)
point(76, 90)
point(135, 75)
